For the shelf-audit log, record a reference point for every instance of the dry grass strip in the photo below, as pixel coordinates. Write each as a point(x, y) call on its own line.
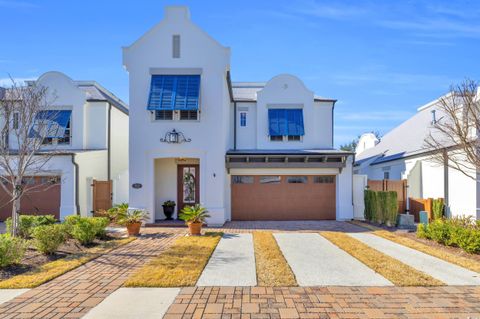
point(272, 268)
point(364, 225)
point(433, 251)
point(394, 270)
point(56, 268)
point(179, 266)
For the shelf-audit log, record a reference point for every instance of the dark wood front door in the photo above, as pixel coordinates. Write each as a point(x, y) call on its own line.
point(188, 192)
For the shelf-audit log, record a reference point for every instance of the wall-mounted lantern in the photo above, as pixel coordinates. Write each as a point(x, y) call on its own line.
point(174, 137)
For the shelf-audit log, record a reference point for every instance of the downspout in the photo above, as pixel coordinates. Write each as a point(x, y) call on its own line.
point(77, 169)
point(109, 135)
point(234, 125)
point(445, 184)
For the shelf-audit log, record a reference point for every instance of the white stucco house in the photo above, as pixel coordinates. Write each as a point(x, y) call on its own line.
point(245, 151)
point(402, 154)
point(91, 144)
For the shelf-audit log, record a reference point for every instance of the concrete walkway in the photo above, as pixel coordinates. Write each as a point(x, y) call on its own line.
point(317, 262)
point(9, 294)
point(232, 263)
point(448, 273)
point(128, 303)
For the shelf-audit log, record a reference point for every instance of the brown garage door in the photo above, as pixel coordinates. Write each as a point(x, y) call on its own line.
point(44, 200)
point(283, 197)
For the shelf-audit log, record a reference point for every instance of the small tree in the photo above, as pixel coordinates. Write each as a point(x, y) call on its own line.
point(454, 136)
point(23, 133)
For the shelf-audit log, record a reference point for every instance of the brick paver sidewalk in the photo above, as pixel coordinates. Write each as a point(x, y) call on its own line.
point(326, 302)
point(73, 294)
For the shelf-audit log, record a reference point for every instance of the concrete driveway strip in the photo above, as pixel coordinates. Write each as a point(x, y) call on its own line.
point(317, 262)
point(448, 273)
point(232, 263)
point(9, 294)
point(133, 303)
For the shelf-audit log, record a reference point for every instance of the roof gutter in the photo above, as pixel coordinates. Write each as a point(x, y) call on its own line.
point(77, 178)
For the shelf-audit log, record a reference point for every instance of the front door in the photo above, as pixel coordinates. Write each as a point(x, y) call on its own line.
point(188, 177)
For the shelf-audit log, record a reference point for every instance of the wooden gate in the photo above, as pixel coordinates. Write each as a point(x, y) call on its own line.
point(102, 195)
point(399, 186)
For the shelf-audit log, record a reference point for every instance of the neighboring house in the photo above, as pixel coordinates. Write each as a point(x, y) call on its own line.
point(93, 146)
point(401, 154)
point(245, 151)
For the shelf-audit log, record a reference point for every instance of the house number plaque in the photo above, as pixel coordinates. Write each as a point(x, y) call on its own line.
point(137, 185)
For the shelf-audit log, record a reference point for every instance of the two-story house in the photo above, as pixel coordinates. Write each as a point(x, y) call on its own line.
point(245, 151)
point(89, 150)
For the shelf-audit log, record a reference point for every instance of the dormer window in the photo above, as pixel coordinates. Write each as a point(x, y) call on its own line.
point(174, 97)
point(285, 125)
point(53, 126)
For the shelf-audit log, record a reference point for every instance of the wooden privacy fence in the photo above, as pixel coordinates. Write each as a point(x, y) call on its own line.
point(416, 205)
point(399, 186)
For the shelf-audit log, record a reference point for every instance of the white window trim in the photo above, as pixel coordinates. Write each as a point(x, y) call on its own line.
point(285, 139)
point(175, 117)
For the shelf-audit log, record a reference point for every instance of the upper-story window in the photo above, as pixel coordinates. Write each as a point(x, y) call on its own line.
point(243, 119)
point(285, 125)
point(174, 97)
point(53, 126)
point(176, 46)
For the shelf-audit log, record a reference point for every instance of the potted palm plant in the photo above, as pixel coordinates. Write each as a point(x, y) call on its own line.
point(194, 217)
point(168, 209)
point(132, 219)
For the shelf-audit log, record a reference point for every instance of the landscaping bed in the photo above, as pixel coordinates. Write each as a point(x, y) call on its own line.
point(43, 248)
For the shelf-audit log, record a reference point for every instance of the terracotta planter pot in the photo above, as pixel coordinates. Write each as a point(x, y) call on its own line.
point(133, 229)
point(195, 229)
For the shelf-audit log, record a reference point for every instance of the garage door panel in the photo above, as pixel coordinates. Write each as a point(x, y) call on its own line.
point(283, 201)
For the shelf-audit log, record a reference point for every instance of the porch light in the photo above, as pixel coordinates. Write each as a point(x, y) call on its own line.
point(174, 137)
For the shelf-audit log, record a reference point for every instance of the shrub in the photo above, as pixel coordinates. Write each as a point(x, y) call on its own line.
point(26, 223)
point(116, 212)
point(370, 205)
point(437, 208)
point(463, 232)
point(85, 229)
point(49, 237)
point(12, 250)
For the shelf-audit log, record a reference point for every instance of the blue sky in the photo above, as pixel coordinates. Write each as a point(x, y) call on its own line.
point(380, 59)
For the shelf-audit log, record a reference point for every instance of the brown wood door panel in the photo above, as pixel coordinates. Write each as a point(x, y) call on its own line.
point(102, 195)
point(45, 200)
point(283, 201)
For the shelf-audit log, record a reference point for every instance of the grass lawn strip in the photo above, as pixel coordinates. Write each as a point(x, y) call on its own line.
point(397, 272)
point(439, 253)
point(58, 267)
point(272, 268)
point(179, 266)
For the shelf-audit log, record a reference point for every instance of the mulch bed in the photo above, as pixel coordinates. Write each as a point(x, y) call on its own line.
point(453, 250)
point(34, 259)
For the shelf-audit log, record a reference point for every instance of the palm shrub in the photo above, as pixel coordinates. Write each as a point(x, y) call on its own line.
point(48, 238)
point(12, 250)
point(437, 208)
point(26, 224)
point(194, 214)
point(116, 212)
point(132, 217)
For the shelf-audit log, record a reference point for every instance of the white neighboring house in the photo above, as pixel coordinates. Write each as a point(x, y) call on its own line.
point(401, 154)
point(245, 151)
point(94, 147)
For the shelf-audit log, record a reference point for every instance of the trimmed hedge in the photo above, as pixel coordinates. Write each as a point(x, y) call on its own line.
point(12, 250)
point(381, 207)
point(48, 238)
point(463, 232)
point(86, 229)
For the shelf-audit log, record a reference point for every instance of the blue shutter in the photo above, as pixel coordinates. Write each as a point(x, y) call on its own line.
point(277, 122)
point(52, 122)
point(174, 92)
point(295, 122)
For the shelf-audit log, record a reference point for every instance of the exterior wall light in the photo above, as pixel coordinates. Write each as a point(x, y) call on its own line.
point(174, 137)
